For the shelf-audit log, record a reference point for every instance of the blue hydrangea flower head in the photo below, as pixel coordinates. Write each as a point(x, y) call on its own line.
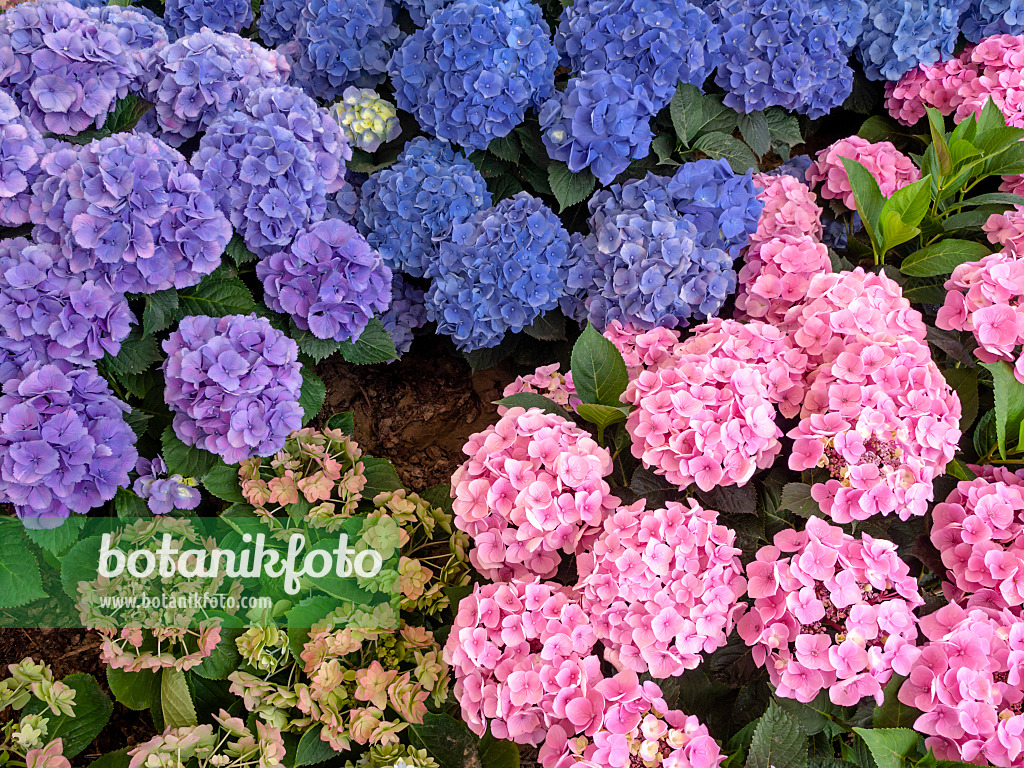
point(278, 21)
point(141, 32)
point(64, 70)
point(329, 280)
point(21, 149)
point(985, 18)
point(64, 443)
point(408, 311)
point(366, 119)
point(600, 121)
point(344, 204)
point(780, 53)
point(60, 315)
point(651, 43)
point(581, 279)
point(499, 271)
point(129, 213)
point(188, 16)
point(233, 385)
point(409, 207)
point(202, 76)
point(847, 17)
point(796, 167)
point(902, 34)
point(470, 75)
point(164, 493)
point(422, 10)
point(344, 42)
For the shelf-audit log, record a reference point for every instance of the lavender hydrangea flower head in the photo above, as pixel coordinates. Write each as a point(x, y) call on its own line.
point(65, 70)
point(344, 204)
point(366, 119)
point(14, 356)
point(580, 276)
point(188, 16)
point(653, 45)
point(61, 316)
point(21, 149)
point(472, 73)
point(233, 385)
point(271, 165)
point(202, 76)
point(329, 280)
point(128, 212)
point(161, 492)
point(783, 54)
point(278, 21)
point(985, 18)
point(340, 43)
point(902, 34)
point(408, 311)
point(409, 207)
point(143, 35)
point(498, 272)
point(64, 443)
point(600, 121)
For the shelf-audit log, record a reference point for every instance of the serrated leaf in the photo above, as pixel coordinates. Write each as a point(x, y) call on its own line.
point(136, 356)
point(796, 498)
point(238, 251)
point(92, 711)
point(814, 716)
point(943, 257)
point(309, 344)
point(889, 746)
point(345, 421)
point(598, 370)
point(134, 690)
point(778, 741)
point(176, 700)
point(482, 359)
point(138, 420)
point(718, 145)
point(447, 740)
point(57, 540)
point(506, 147)
point(225, 657)
point(185, 460)
point(20, 582)
point(312, 749)
point(867, 197)
point(222, 481)
point(784, 127)
point(755, 131)
point(877, 128)
point(687, 112)
point(547, 327)
point(130, 506)
point(374, 345)
point(301, 617)
point(663, 146)
point(160, 312)
point(570, 188)
point(217, 297)
point(312, 395)
point(534, 400)
point(985, 434)
point(381, 476)
point(894, 713)
point(118, 758)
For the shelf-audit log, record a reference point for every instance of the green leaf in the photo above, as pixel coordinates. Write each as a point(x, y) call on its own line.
point(778, 741)
point(136, 355)
point(20, 582)
point(547, 327)
point(312, 395)
point(796, 498)
point(889, 746)
point(92, 711)
point(217, 297)
point(118, 758)
point(79, 564)
point(717, 145)
point(134, 690)
point(910, 203)
point(959, 470)
point(993, 198)
point(877, 128)
point(965, 382)
point(381, 476)
point(602, 415)
point(970, 219)
point(482, 359)
point(943, 257)
point(570, 188)
point(755, 131)
point(447, 740)
point(316, 348)
point(345, 421)
point(534, 400)
point(506, 147)
point(926, 293)
point(312, 749)
point(893, 231)
point(222, 481)
point(57, 540)
point(374, 345)
point(239, 252)
point(663, 146)
point(598, 371)
point(1009, 400)
point(814, 716)
point(784, 127)
point(176, 700)
point(937, 129)
point(300, 618)
point(687, 112)
point(498, 753)
point(894, 713)
point(985, 435)
point(185, 460)
point(225, 657)
point(129, 506)
point(160, 312)
point(868, 199)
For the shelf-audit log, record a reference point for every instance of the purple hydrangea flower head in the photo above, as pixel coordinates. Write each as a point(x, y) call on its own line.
point(65, 70)
point(600, 121)
point(329, 280)
point(64, 443)
point(278, 21)
point(188, 16)
point(472, 73)
point(795, 167)
point(204, 75)
point(409, 207)
point(141, 32)
point(14, 356)
point(408, 311)
point(902, 34)
point(128, 212)
point(60, 315)
point(21, 149)
point(499, 271)
point(780, 53)
point(344, 204)
point(985, 18)
point(233, 385)
point(271, 165)
point(653, 44)
point(164, 493)
point(340, 43)
point(86, 5)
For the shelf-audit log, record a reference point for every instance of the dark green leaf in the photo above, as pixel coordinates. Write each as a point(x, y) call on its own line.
point(1004, 199)
point(318, 349)
point(447, 740)
point(239, 252)
point(547, 327)
point(312, 395)
point(225, 657)
point(138, 420)
point(598, 371)
point(663, 146)
point(160, 312)
point(20, 582)
point(570, 188)
point(345, 421)
point(778, 741)
point(482, 359)
point(217, 297)
point(506, 147)
point(222, 481)
point(118, 758)
point(136, 355)
point(1009, 400)
point(134, 690)
point(312, 749)
point(894, 713)
point(796, 498)
point(985, 435)
point(814, 716)
point(965, 382)
point(381, 476)
point(889, 746)
point(959, 470)
point(439, 496)
point(176, 700)
point(877, 128)
point(300, 618)
point(755, 131)
point(686, 112)
point(943, 257)
point(185, 460)
point(374, 345)
point(937, 129)
point(92, 711)
point(534, 400)
point(784, 127)
point(57, 540)
point(717, 145)
point(498, 753)
point(129, 506)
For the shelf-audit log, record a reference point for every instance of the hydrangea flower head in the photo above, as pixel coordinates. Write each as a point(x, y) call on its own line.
point(278, 21)
point(366, 120)
point(65, 70)
point(547, 381)
point(500, 270)
point(901, 34)
point(128, 211)
point(21, 149)
point(470, 75)
point(533, 486)
point(640, 349)
point(141, 32)
point(164, 493)
point(890, 168)
point(233, 385)
point(407, 312)
point(410, 206)
point(847, 17)
point(64, 443)
point(186, 17)
point(985, 18)
point(329, 280)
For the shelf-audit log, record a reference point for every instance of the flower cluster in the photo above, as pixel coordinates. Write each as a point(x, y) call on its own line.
point(501, 269)
point(329, 280)
point(233, 385)
point(985, 18)
point(546, 381)
point(470, 75)
point(64, 444)
point(968, 685)
point(832, 612)
point(201, 76)
point(640, 349)
point(393, 756)
point(162, 492)
point(1007, 229)
point(65, 70)
point(848, 19)
point(141, 32)
point(406, 313)
point(366, 120)
point(278, 20)
point(661, 586)
point(186, 17)
point(533, 486)
point(706, 419)
point(408, 207)
point(899, 35)
point(21, 149)
point(780, 54)
point(228, 744)
point(724, 205)
point(31, 679)
point(271, 166)
point(61, 317)
point(890, 168)
point(128, 212)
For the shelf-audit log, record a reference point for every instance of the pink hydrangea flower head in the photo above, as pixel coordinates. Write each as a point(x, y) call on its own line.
point(1007, 230)
point(546, 381)
point(831, 611)
point(891, 168)
point(790, 208)
point(776, 275)
point(643, 349)
point(533, 486)
point(661, 586)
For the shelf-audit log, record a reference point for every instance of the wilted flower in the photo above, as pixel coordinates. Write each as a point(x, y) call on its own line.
point(187, 17)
